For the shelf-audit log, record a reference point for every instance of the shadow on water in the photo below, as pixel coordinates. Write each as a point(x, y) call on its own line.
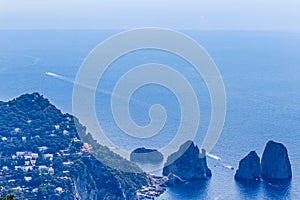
point(196, 189)
point(248, 189)
point(264, 189)
point(152, 168)
point(277, 189)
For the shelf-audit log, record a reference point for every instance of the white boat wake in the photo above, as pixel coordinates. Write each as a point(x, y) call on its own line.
point(213, 156)
point(217, 158)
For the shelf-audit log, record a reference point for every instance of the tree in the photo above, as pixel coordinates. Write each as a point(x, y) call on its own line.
point(10, 197)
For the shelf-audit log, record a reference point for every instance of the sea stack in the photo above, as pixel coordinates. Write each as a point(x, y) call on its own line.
point(249, 168)
point(144, 155)
point(275, 163)
point(187, 163)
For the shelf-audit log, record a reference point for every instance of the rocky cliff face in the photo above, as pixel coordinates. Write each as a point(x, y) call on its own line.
point(187, 163)
point(82, 188)
point(275, 163)
point(249, 168)
point(86, 187)
point(97, 181)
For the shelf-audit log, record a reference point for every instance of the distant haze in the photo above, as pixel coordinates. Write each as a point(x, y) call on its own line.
point(281, 15)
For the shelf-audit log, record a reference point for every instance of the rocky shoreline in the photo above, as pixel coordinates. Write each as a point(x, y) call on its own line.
point(156, 188)
point(188, 164)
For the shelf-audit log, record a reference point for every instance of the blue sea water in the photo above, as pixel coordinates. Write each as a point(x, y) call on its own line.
point(260, 71)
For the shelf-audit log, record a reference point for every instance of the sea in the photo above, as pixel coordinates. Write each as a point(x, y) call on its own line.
point(260, 72)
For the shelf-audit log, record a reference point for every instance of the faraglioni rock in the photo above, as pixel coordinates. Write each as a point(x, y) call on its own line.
point(187, 163)
point(146, 155)
point(275, 163)
point(249, 168)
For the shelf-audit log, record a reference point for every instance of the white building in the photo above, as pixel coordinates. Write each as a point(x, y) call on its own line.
point(43, 148)
point(50, 170)
point(57, 127)
point(33, 162)
point(20, 153)
point(34, 155)
point(17, 130)
point(27, 178)
point(42, 167)
point(58, 190)
point(48, 156)
point(68, 163)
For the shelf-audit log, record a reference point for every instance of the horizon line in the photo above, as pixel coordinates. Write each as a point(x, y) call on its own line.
point(131, 28)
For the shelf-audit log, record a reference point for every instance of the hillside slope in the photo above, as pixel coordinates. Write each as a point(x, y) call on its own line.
point(43, 157)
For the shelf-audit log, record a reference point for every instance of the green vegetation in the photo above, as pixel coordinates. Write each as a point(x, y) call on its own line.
point(42, 155)
point(10, 197)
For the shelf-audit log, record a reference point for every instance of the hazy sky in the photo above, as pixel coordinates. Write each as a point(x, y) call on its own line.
point(178, 14)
